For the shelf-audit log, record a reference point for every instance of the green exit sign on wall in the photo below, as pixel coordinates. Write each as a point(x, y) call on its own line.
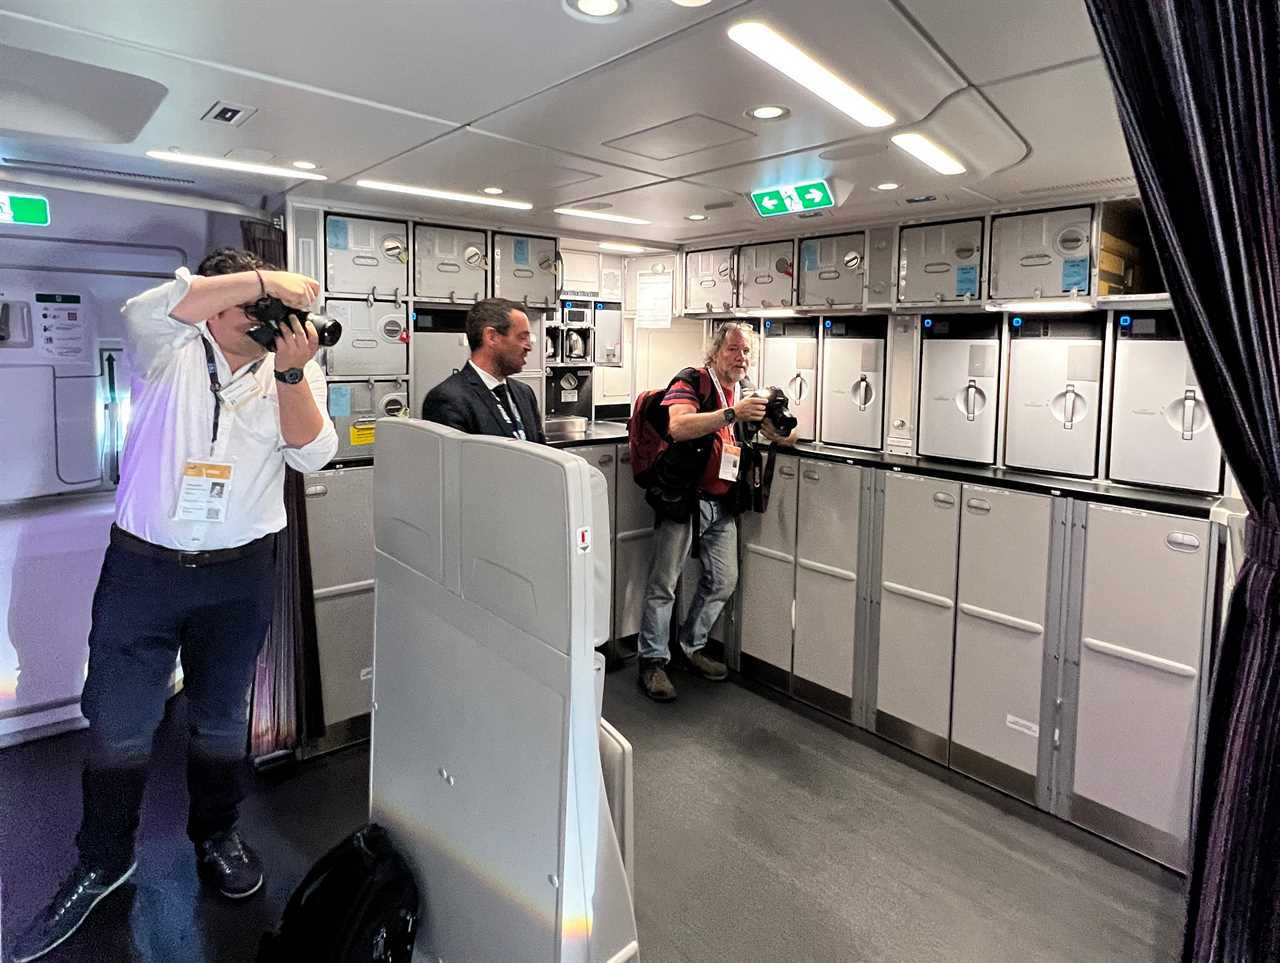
point(792, 198)
point(24, 209)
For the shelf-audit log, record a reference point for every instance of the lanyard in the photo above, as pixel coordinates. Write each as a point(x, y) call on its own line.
point(720, 391)
point(211, 366)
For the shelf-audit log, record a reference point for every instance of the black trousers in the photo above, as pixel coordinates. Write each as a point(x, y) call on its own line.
point(146, 612)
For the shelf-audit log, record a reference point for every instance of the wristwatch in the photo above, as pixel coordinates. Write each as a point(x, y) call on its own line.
point(290, 376)
point(729, 416)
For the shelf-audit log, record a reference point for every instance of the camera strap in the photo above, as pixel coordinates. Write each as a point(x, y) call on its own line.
point(212, 365)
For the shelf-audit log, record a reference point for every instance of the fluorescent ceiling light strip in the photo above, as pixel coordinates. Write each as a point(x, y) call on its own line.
point(622, 248)
point(927, 152)
point(766, 313)
point(1045, 306)
point(785, 57)
point(443, 195)
point(599, 216)
point(242, 167)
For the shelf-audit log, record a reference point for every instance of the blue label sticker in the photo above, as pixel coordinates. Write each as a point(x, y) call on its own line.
point(520, 250)
point(809, 256)
point(335, 231)
point(339, 401)
point(1075, 274)
point(967, 280)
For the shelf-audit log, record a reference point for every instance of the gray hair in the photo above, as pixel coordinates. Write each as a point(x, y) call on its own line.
point(722, 334)
point(490, 313)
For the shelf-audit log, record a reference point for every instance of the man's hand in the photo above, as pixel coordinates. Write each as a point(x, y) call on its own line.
point(767, 429)
point(295, 290)
point(296, 345)
point(749, 409)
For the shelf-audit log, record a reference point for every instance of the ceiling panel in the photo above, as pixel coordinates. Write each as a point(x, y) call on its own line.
point(1069, 117)
point(468, 161)
point(291, 123)
point(702, 73)
point(1003, 38)
point(443, 59)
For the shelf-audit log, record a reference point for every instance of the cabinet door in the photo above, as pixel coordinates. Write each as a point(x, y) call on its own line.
point(827, 583)
point(1043, 254)
point(939, 263)
point(709, 281)
point(917, 612)
point(881, 272)
point(767, 576)
point(1055, 396)
point(340, 534)
point(832, 270)
point(792, 365)
point(365, 257)
point(958, 390)
point(766, 272)
point(633, 550)
point(1142, 627)
point(853, 392)
point(1000, 635)
point(372, 341)
point(449, 264)
point(524, 269)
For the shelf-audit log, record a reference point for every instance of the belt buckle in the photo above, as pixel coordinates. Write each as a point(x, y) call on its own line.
point(190, 559)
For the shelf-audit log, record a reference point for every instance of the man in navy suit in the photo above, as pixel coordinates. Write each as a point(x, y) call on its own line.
point(482, 398)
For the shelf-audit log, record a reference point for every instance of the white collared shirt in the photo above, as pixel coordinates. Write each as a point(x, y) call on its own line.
point(489, 380)
point(171, 422)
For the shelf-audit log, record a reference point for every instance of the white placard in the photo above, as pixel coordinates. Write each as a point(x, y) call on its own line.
point(653, 300)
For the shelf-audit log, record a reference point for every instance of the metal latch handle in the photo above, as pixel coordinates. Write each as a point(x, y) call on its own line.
point(944, 499)
point(1189, 414)
point(971, 400)
point(862, 391)
point(798, 380)
point(979, 505)
point(1070, 408)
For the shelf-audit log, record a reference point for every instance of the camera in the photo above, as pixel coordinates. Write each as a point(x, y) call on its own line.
point(271, 313)
point(776, 411)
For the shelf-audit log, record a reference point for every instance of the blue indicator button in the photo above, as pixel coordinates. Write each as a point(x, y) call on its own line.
point(928, 322)
point(827, 323)
point(1125, 320)
point(413, 316)
point(1017, 322)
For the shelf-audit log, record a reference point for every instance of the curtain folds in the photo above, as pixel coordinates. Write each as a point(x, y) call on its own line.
point(1197, 85)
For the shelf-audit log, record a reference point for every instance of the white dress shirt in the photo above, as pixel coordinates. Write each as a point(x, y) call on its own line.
point(489, 380)
point(171, 422)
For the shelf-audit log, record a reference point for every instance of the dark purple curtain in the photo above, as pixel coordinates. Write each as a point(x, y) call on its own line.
point(1197, 83)
point(264, 240)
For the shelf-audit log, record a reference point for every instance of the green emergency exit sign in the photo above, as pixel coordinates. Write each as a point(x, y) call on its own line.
point(792, 198)
point(24, 209)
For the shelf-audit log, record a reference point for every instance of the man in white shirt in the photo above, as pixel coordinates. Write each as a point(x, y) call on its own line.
point(190, 569)
point(482, 398)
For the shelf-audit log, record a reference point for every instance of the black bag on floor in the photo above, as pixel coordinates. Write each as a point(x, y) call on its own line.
point(358, 904)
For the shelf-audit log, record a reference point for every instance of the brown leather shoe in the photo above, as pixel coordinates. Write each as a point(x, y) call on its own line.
point(655, 683)
point(709, 669)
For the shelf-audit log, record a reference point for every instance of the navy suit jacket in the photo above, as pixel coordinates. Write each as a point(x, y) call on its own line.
point(462, 401)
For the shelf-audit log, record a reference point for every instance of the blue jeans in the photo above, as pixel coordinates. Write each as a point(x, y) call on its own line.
point(719, 556)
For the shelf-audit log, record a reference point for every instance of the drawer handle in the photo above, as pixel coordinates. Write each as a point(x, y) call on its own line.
point(812, 474)
point(999, 618)
point(625, 458)
point(841, 573)
point(1035, 260)
point(788, 471)
point(317, 491)
point(1183, 542)
point(606, 459)
point(979, 505)
point(919, 595)
point(943, 499)
point(1142, 658)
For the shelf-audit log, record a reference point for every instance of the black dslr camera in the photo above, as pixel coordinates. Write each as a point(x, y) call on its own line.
point(271, 313)
point(776, 411)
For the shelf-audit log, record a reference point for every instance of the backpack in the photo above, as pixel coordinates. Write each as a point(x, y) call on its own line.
point(357, 904)
point(667, 470)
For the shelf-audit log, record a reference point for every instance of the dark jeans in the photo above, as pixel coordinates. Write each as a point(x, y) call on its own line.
point(145, 612)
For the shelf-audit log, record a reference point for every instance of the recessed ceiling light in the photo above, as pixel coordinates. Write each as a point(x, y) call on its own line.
point(887, 186)
point(1046, 306)
point(222, 163)
point(691, 3)
point(304, 165)
point(923, 149)
point(786, 58)
point(768, 112)
point(595, 11)
point(621, 248)
point(695, 217)
point(442, 195)
point(598, 216)
point(494, 191)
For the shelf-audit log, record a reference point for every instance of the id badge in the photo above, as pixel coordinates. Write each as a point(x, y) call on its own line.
point(243, 389)
point(205, 492)
point(730, 457)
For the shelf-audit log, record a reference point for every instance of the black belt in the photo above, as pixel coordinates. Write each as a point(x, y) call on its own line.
point(131, 543)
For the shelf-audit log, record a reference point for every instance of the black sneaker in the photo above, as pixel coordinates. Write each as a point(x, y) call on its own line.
point(700, 664)
point(228, 864)
point(655, 683)
point(84, 888)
